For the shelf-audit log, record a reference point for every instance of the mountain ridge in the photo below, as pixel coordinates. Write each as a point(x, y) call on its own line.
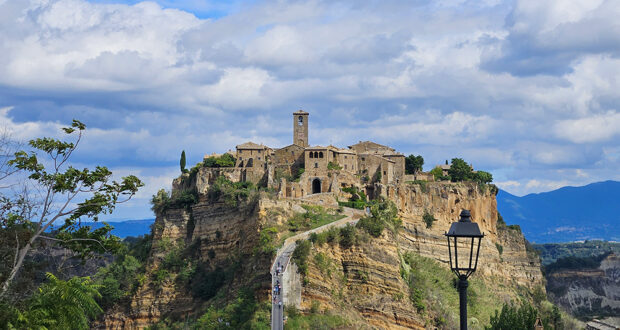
point(565, 214)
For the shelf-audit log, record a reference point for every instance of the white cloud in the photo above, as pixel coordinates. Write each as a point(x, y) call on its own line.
point(595, 128)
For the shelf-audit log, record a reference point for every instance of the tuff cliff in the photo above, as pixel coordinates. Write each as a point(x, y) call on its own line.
point(366, 281)
point(588, 293)
point(363, 283)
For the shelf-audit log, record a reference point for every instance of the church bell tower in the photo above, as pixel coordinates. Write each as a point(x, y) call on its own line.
point(300, 128)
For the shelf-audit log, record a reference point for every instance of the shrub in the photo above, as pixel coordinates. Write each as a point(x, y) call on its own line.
point(225, 160)
point(374, 226)
point(347, 236)
point(383, 214)
point(162, 201)
point(232, 193)
point(437, 172)
point(428, 219)
point(300, 255)
point(482, 177)
point(413, 164)
point(512, 317)
point(333, 166)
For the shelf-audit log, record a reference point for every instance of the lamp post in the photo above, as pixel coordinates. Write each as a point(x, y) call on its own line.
point(464, 260)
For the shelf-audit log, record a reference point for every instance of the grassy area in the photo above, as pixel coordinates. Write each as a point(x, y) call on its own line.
point(554, 251)
point(314, 320)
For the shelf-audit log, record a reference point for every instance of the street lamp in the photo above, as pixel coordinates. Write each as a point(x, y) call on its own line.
point(464, 233)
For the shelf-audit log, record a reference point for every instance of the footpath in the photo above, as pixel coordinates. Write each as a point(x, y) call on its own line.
point(282, 260)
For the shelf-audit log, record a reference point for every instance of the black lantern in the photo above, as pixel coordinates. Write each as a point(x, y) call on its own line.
point(464, 239)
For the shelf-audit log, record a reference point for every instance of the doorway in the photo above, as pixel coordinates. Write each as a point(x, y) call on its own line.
point(316, 186)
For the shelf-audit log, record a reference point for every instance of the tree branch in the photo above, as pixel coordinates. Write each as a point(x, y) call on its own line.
point(74, 240)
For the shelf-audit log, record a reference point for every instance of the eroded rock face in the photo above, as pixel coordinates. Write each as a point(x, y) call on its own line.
point(365, 278)
point(588, 292)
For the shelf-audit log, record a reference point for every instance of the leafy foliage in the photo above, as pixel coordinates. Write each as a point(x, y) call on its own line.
point(413, 164)
point(383, 214)
point(232, 193)
point(428, 219)
point(553, 251)
point(48, 171)
point(244, 312)
point(460, 170)
point(162, 200)
point(572, 262)
point(300, 255)
point(57, 304)
point(513, 317)
point(333, 166)
point(225, 160)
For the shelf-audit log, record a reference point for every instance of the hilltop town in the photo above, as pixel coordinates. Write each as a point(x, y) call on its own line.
point(300, 169)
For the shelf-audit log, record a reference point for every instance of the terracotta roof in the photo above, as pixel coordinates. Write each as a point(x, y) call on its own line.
point(251, 145)
point(300, 112)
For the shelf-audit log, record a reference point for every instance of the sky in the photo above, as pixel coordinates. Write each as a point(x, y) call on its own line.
point(527, 90)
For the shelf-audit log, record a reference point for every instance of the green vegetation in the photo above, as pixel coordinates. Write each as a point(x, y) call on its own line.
point(333, 166)
point(232, 193)
point(225, 160)
point(267, 239)
point(437, 172)
point(383, 213)
point(183, 162)
point(413, 164)
point(357, 200)
point(512, 317)
point(500, 248)
point(428, 219)
point(315, 216)
point(315, 320)
point(554, 251)
point(572, 263)
point(162, 201)
point(300, 255)
point(57, 304)
point(244, 312)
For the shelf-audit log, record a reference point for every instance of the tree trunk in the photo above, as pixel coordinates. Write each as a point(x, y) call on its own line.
point(20, 260)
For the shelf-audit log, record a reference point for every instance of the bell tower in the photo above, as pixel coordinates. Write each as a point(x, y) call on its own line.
point(300, 128)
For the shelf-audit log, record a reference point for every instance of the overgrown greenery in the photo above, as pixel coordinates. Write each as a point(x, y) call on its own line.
point(315, 216)
point(428, 219)
point(225, 160)
point(300, 255)
point(383, 213)
point(421, 183)
point(513, 317)
point(163, 200)
point(57, 304)
point(437, 173)
point(333, 166)
point(232, 193)
point(413, 164)
point(357, 200)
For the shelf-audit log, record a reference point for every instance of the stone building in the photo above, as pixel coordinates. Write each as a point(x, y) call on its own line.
point(300, 169)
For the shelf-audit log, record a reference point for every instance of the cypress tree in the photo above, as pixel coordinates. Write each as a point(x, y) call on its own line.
point(182, 163)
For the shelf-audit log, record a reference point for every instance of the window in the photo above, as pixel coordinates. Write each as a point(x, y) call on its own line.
point(345, 166)
point(311, 154)
point(363, 159)
point(345, 156)
point(258, 158)
point(320, 154)
point(384, 173)
point(259, 151)
point(293, 153)
point(300, 120)
point(316, 165)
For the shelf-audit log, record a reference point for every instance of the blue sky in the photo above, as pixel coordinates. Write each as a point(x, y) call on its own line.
point(527, 90)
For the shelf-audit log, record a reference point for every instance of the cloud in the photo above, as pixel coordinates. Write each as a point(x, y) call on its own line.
point(527, 91)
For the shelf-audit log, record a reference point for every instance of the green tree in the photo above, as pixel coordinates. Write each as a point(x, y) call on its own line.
point(59, 304)
point(413, 164)
point(67, 194)
point(459, 170)
point(428, 219)
point(437, 173)
point(512, 317)
point(483, 177)
point(182, 162)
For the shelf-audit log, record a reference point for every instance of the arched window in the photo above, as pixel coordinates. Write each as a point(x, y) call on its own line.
point(320, 154)
point(316, 154)
point(311, 154)
point(300, 120)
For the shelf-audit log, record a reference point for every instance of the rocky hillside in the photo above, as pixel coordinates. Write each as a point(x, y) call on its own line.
point(212, 250)
point(588, 292)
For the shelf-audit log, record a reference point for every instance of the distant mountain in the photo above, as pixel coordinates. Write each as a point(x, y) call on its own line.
point(123, 229)
point(566, 214)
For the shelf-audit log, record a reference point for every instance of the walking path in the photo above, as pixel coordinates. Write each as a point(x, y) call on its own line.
point(283, 257)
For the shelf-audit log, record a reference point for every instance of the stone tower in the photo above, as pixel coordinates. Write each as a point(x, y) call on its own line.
point(300, 128)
